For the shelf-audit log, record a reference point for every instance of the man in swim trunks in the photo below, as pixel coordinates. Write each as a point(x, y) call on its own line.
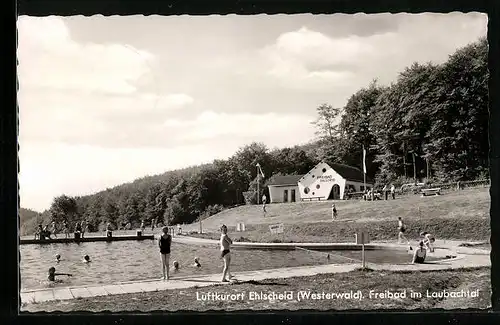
point(225, 244)
point(401, 230)
point(164, 244)
point(420, 254)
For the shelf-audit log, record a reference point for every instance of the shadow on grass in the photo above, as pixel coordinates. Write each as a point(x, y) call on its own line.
point(255, 282)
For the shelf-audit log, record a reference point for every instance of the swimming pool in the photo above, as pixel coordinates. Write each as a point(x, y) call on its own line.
point(140, 260)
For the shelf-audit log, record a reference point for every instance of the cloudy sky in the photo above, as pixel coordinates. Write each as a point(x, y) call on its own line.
point(104, 100)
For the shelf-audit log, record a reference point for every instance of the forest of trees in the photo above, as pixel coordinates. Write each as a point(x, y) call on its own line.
point(433, 116)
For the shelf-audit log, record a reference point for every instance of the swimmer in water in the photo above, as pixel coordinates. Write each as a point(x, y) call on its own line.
point(86, 259)
point(176, 266)
point(420, 254)
point(58, 258)
point(196, 262)
point(53, 274)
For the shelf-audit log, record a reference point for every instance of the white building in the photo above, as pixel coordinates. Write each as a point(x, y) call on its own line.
point(284, 189)
point(323, 182)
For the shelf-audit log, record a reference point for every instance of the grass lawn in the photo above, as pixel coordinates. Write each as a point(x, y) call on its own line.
point(186, 299)
point(461, 215)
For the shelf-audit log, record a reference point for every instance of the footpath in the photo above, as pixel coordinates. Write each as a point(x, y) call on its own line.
point(465, 257)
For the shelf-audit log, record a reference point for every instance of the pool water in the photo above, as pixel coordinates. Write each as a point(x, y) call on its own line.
point(140, 260)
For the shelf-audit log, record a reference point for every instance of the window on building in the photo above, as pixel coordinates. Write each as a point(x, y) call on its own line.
point(317, 186)
point(324, 170)
point(306, 190)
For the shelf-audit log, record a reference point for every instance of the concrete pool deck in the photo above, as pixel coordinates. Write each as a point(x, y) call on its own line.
point(466, 257)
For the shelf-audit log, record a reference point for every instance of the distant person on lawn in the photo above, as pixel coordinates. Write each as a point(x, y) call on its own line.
point(143, 227)
point(164, 243)
point(401, 231)
point(225, 245)
point(386, 191)
point(334, 211)
point(420, 254)
point(393, 192)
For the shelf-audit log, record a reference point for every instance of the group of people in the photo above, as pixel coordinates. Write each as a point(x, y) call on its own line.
point(373, 194)
point(52, 270)
point(45, 232)
point(425, 243)
point(165, 242)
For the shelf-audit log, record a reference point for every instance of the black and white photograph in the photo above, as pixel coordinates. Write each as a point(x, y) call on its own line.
point(287, 162)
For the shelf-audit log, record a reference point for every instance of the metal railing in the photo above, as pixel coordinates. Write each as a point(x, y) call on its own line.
point(455, 186)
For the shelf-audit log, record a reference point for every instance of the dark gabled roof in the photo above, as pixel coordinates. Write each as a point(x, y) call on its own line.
point(349, 173)
point(285, 180)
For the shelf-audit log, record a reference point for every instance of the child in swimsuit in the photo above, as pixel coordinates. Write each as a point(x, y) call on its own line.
point(420, 254)
point(225, 243)
point(53, 274)
point(176, 266)
point(86, 259)
point(58, 258)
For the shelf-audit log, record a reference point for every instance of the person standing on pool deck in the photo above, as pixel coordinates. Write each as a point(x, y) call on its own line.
point(225, 244)
point(84, 227)
point(143, 227)
point(66, 228)
point(53, 228)
point(164, 244)
point(420, 254)
point(401, 230)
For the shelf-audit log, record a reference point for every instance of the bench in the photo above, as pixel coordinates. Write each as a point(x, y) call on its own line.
point(312, 198)
point(354, 195)
point(431, 191)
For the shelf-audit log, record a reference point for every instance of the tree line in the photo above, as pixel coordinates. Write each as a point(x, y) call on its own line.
point(431, 124)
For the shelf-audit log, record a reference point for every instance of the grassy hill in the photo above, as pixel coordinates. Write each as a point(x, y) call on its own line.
point(454, 215)
point(29, 220)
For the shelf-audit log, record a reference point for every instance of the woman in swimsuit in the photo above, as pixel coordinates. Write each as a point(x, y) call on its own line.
point(420, 254)
point(225, 244)
point(164, 244)
point(428, 240)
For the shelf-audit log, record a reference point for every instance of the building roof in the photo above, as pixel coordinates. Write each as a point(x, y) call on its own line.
point(282, 180)
point(350, 173)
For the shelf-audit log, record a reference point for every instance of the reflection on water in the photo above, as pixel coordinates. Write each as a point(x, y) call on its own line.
point(140, 260)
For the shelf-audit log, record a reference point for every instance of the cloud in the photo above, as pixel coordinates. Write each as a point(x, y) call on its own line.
point(49, 58)
point(276, 129)
point(48, 170)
